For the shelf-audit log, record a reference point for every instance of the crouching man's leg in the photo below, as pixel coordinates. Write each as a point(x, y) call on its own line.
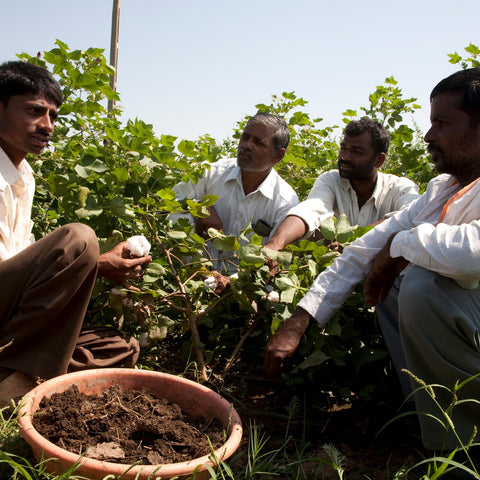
point(439, 324)
point(103, 347)
point(45, 293)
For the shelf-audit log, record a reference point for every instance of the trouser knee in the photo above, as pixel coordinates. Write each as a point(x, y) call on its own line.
point(415, 297)
point(78, 239)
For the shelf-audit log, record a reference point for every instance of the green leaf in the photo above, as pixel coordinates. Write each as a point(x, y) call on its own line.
point(88, 212)
point(328, 228)
point(288, 295)
point(472, 49)
point(283, 258)
point(314, 360)
point(454, 57)
point(176, 234)
point(121, 174)
point(344, 229)
point(166, 194)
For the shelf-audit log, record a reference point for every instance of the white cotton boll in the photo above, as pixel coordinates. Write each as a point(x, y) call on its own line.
point(273, 297)
point(210, 283)
point(143, 340)
point(138, 245)
point(234, 275)
point(157, 333)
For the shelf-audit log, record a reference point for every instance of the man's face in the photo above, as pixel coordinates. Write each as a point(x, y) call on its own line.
point(453, 142)
point(26, 124)
point(255, 149)
point(357, 160)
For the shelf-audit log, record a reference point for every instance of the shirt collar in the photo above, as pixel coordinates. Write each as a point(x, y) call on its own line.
point(376, 191)
point(10, 173)
point(266, 188)
point(378, 186)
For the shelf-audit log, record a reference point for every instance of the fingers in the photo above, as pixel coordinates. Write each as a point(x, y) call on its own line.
point(141, 260)
point(135, 272)
point(272, 366)
point(272, 266)
point(127, 285)
point(372, 289)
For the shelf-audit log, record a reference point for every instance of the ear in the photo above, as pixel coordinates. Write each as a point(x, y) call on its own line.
point(379, 161)
point(278, 155)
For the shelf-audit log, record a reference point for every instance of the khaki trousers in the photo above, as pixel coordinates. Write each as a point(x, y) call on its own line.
point(44, 294)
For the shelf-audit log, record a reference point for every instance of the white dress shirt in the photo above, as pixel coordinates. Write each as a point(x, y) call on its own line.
point(17, 188)
point(270, 202)
point(440, 231)
point(332, 195)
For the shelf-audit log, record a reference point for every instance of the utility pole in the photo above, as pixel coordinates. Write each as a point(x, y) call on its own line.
point(114, 49)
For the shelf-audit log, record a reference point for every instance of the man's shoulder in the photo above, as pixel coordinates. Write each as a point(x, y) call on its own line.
point(331, 175)
point(392, 180)
point(442, 181)
point(282, 189)
point(225, 162)
point(223, 166)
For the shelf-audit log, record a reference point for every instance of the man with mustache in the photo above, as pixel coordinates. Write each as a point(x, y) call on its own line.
point(422, 271)
point(45, 285)
point(249, 190)
point(357, 189)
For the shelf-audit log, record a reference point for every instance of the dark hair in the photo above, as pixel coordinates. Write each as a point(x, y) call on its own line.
point(281, 138)
point(380, 137)
point(20, 78)
point(467, 84)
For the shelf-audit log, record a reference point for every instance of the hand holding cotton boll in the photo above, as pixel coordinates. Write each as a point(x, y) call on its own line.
point(210, 283)
point(125, 261)
point(217, 282)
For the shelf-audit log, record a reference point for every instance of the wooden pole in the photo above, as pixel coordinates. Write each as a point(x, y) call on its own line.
point(114, 48)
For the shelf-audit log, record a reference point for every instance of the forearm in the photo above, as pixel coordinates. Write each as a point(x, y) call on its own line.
point(291, 229)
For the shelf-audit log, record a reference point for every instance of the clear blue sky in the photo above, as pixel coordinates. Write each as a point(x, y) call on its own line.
point(192, 67)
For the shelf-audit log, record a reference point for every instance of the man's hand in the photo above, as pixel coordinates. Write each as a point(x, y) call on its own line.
point(213, 221)
point(222, 282)
point(285, 341)
point(272, 266)
point(382, 274)
point(119, 266)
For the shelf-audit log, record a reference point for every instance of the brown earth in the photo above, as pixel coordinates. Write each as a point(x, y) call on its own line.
point(125, 426)
point(305, 419)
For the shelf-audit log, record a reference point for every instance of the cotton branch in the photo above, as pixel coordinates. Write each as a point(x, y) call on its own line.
point(188, 310)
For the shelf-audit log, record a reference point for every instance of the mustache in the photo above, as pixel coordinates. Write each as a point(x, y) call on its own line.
point(42, 133)
point(244, 151)
point(433, 147)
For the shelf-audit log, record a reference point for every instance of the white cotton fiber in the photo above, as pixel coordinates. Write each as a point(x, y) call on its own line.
point(138, 246)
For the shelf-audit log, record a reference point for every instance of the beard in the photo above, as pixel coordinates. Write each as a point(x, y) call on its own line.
point(351, 171)
point(462, 161)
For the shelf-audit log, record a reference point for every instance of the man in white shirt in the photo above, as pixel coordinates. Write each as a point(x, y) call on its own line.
point(430, 316)
point(46, 285)
point(357, 189)
point(249, 190)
